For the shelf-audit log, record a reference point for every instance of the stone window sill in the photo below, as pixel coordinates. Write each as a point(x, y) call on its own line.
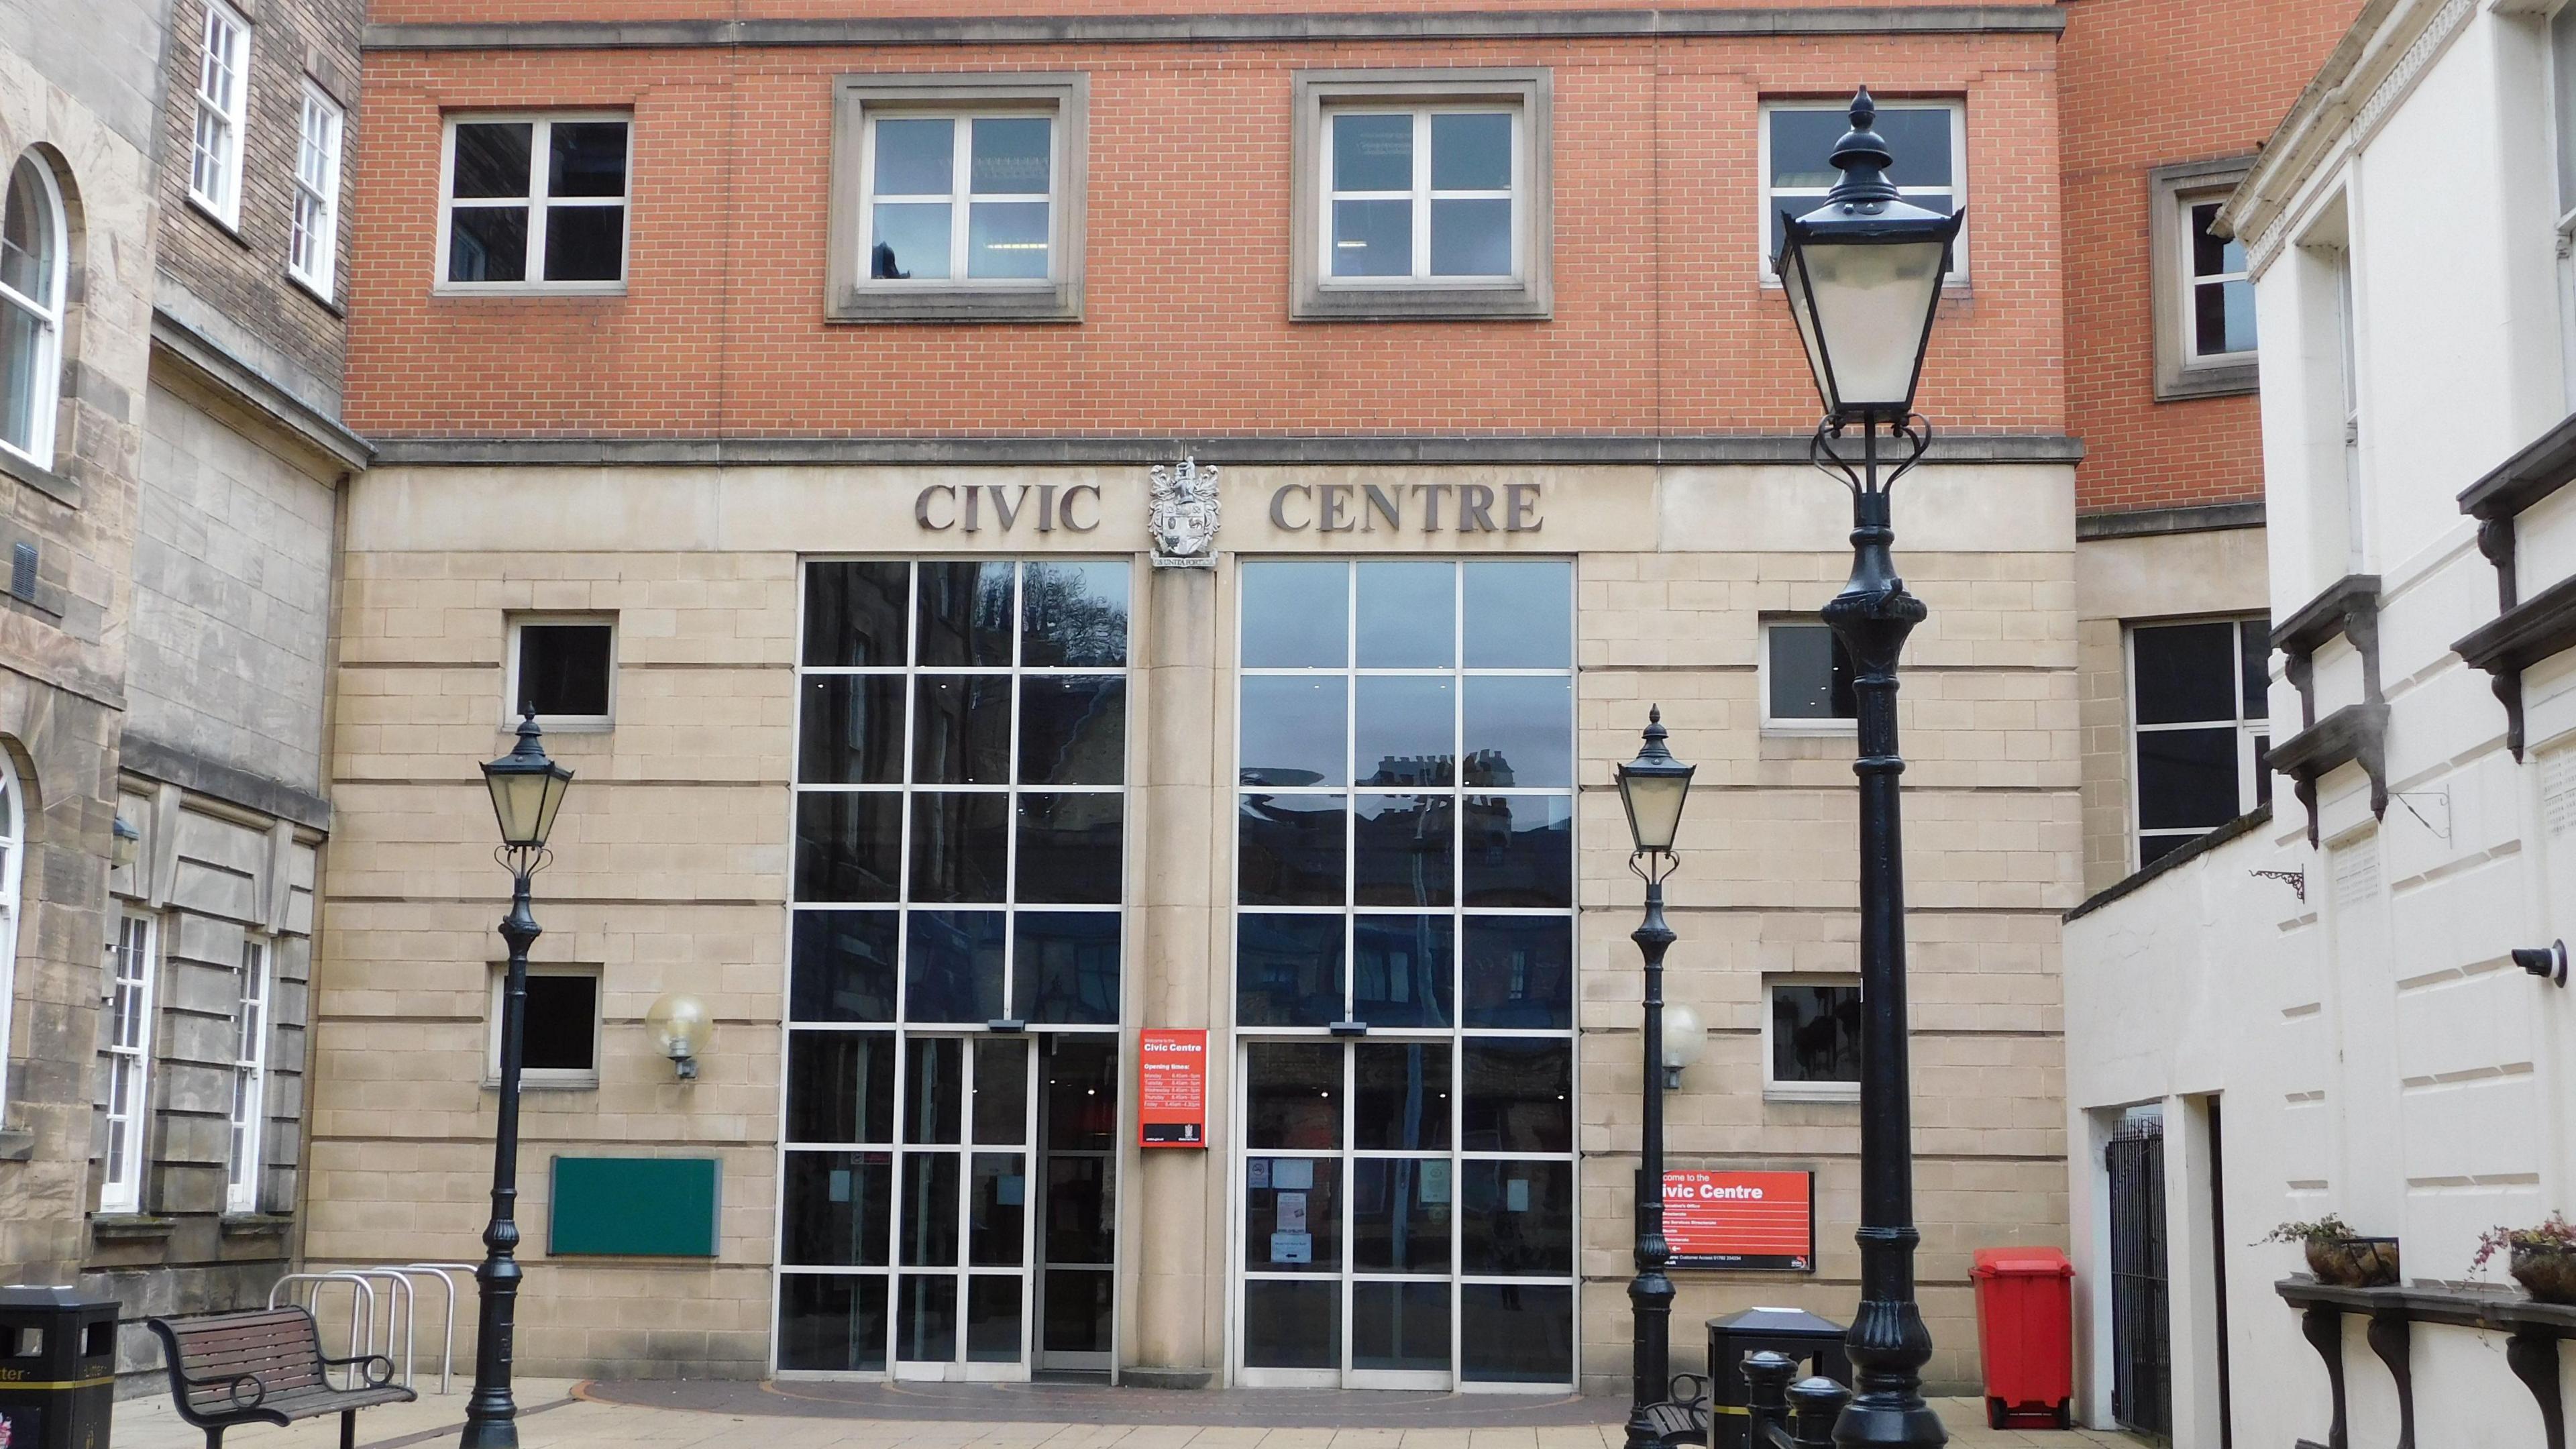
point(253, 1225)
point(130, 1227)
point(44, 480)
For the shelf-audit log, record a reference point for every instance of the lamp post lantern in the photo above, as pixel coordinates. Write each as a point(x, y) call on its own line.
point(1652, 788)
point(1863, 276)
point(527, 789)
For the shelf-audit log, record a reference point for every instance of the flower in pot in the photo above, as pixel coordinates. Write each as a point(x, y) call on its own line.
point(2542, 1259)
point(2338, 1255)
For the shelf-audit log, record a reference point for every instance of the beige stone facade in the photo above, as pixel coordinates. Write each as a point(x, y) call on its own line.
point(672, 859)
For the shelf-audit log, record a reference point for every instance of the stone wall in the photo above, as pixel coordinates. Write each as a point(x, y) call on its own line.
point(232, 569)
point(62, 651)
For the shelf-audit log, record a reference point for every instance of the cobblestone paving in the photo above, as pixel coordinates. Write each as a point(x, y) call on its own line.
point(559, 1414)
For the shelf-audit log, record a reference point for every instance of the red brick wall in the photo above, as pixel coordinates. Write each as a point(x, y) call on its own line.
point(1660, 325)
point(448, 11)
point(2144, 84)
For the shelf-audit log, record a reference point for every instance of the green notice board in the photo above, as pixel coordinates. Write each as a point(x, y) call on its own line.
point(633, 1207)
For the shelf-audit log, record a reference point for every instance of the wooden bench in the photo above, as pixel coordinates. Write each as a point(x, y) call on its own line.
point(1683, 1418)
point(266, 1367)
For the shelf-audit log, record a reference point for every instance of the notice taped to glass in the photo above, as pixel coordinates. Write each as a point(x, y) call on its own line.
point(1171, 1088)
point(1746, 1221)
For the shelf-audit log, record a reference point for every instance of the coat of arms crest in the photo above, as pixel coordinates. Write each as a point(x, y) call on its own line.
point(1184, 514)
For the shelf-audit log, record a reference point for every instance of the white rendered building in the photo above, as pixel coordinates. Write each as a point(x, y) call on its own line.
point(2317, 1009)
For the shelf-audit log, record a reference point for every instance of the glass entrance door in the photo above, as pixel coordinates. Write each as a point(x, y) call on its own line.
point(961, 1215)
point(1077, 1152)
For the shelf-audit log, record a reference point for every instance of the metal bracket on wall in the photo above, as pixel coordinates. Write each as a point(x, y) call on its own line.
point(2438, 801)
point(2296, 880)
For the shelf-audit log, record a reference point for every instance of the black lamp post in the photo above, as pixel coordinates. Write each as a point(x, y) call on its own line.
point(1652, 787)
point(527, 789)
point(1863, 274)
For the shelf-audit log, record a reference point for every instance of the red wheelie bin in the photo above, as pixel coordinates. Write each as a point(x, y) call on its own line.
point(2026, 1336)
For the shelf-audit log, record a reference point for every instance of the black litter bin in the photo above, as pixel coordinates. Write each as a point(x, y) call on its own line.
point(1816, 1343)
point(57, 1369)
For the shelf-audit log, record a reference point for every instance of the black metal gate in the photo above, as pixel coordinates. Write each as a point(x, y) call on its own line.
point(2141, 1346)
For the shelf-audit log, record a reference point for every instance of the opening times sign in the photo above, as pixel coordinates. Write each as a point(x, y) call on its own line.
point(1748, 1221)
point(1171, 1088)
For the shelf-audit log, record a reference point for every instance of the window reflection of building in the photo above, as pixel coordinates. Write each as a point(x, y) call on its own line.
point(1405, 863)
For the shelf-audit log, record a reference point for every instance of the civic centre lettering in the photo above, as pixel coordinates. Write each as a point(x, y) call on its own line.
point(943, 506)
point(1362, 507)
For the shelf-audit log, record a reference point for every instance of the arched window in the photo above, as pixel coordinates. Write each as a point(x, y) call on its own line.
point(13, 843)
point(32, 262)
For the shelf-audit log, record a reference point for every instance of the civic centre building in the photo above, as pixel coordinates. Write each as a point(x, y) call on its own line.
point(1060, 545)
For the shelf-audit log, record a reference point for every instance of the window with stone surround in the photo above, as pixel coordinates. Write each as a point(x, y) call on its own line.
point(2204, 301)
point(563, 666)
point(223, 99)
point(34, 255)
point(1806, 679)
point(2198, 701)
point(958, 198)
point(1422, 194)
point(1811, 1038)
point(559, 1042)
point(1404, 973)
point(313, 234)
point(534, 203)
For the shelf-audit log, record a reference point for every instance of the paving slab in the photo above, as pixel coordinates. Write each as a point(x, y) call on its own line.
point(689, 1413)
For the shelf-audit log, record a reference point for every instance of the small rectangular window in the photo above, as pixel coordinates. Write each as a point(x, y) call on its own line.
point(1814, 1030)
point(1807, 679)
point(2204, 301)
point(1422, 194)
point(559, 1035)
point(135, 964)
point(313, 236)
point(2199, 727)
point(535, 202)
point(1928, 139)
point(564, 669)
point(223, 92)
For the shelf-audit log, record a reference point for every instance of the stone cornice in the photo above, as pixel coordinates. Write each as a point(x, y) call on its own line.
point(1569, 24)
point(1344, 448)
point(2377, 63)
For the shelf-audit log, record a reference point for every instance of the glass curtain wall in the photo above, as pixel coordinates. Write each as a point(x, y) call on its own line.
point(954, 968)
point(1404, 974)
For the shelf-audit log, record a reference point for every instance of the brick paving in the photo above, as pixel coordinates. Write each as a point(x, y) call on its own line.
point(703, 1414)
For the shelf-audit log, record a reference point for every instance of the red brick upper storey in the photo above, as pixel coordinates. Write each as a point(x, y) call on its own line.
point(1660, 323)
point(2146, 84)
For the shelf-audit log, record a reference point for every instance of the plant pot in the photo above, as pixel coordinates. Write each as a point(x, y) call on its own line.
point(2547, 1274)
point(2354, 1262)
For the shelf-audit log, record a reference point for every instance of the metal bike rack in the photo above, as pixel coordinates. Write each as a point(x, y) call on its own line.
point(401, 1308)
point(447, 1341)
point(362, 1303)
point(400, 1319)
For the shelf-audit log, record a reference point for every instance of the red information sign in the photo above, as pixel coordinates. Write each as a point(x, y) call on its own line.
point(1171, 1088)
point(1745, 1220)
